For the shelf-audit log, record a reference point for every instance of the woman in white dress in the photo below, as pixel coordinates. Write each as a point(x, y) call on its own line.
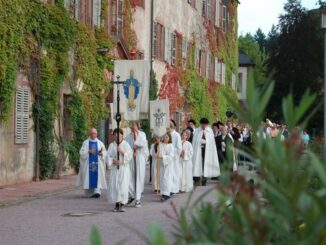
point(119, 177)
point(186, 163)
point(155, 165)
point(165, 156)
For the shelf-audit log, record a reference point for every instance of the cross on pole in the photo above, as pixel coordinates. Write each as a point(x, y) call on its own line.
point(118, 115)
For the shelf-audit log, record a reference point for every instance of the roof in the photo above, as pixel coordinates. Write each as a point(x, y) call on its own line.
point(244, 59)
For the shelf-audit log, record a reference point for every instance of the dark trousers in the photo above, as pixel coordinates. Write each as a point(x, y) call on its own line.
point(203, 179)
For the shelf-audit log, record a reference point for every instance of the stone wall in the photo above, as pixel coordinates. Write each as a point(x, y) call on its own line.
point(16, 160)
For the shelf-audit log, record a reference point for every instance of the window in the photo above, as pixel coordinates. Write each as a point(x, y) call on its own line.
point(224, 18)
point(240, 83)
point(154, 48)
point(197, 58)
point(158, 41)
point(119, 17)
point(204, 8)
point(77, 9)
point(167, 44)
point(173, 49)
point(96, 12)
point(209, 9)
point(184, 53)
point(217, 13)
point(223, 67)
point(233, 81)
point(208, 65)
point(22, 115)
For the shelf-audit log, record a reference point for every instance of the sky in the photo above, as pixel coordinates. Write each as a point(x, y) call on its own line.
point(254, 14)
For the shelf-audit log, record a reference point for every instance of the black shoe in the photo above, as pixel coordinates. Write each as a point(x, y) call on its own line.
point(172, 194)
point(155, 191)
point(96, 195)
point(130, 200)
point(164, 198)
point(121, 208)
point(203, 183)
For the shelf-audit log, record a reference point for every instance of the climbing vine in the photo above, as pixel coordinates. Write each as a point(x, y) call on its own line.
point(78, 122)
point(129, 35)
point(36, 38)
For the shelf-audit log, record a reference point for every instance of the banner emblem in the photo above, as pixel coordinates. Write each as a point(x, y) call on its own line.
point(131, 91)
point(159, 118)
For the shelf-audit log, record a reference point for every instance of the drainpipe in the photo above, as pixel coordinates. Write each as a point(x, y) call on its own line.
point(37, 126)
point(151, 47)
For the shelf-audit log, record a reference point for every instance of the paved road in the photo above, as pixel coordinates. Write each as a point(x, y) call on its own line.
point(41, 221)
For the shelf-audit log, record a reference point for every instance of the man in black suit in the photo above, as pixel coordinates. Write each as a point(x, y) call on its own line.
point(218, 139)
point(191, 127)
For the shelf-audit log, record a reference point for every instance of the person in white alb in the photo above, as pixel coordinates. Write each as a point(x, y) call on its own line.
point(166, 157)
point(91, 176)
point(205, 159)
point(138, 143)
point(177, 170)
point(186, 162)
point(119, 171)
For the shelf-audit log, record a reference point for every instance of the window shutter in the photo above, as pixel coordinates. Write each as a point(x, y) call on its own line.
point(22, 115)
point(154, 48)
point(204, 8)
point(173, 49)
point(233, 81)
point(217, 13)
point(67, 4)
point(209, 9)
point(167, 47)
point(119, 17)
point(208, 62)
point(216, 70)
point(223, 73)
point(96, 11)
point(77, 9)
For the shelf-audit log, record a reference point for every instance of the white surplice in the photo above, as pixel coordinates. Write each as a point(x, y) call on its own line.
point(119, 178)
point(139, 145)
point(211, 163)
point(177, 169)
point(186, 164)
point(166, 168)
point(83, 175)
point(155, 168)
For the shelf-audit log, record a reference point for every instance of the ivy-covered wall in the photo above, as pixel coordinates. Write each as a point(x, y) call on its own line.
point(197, 96)
point(39, 39)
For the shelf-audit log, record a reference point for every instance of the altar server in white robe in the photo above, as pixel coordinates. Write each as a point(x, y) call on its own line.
point(166, 158)
point(205, 159)
point(186, 162)
point(91, 176)
point(155, 165)
point(119, 171)
point(177, 169)
point(138, 142)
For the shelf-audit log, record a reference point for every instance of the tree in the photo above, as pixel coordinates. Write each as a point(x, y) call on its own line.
point(295, 57)
point(260, 38)
point(248, 45)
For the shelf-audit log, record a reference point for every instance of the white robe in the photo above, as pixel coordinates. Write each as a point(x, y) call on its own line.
point(186, 163)
point(177, 169)
point(155, 168)
point(83, 175)
point(119, 178)
point(166, 171)
point(211, 163)
point(142, 153)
